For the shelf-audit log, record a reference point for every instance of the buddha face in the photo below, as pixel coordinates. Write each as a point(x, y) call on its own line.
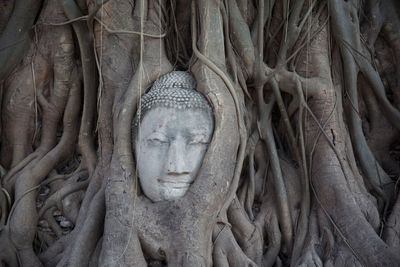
point(170, 150)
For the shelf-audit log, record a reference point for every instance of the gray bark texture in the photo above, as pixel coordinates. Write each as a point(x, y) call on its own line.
point(303, 165)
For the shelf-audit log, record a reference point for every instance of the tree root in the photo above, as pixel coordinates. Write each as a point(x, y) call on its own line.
point(274, 240)
point(247, 235)
point(391, 233)
point(87, 238)
point(122, 177)
point(14, 44)
point(268, 222)
point(53, 224)
point(67, 188)
point(226, 251)
point(54, 253)
point(236, 213)
point(32, 175)
point(90, 80)
point(377, 180)
point(22, 164)
point(242, 130)
point(8, 252)
point(310, 256)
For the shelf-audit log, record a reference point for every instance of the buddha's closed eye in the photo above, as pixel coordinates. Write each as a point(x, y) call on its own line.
point(199, 140)
point(158, 138)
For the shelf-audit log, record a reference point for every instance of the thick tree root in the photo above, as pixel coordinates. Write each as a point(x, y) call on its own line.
point(226, 251)
point(280, 183)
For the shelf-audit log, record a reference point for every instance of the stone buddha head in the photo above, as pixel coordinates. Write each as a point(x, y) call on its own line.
point(176, 125)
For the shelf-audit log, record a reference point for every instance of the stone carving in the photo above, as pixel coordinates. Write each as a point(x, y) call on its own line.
point(176, 126)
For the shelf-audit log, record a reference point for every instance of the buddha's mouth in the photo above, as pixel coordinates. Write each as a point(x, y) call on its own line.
point(181, 187)
point(176, 183)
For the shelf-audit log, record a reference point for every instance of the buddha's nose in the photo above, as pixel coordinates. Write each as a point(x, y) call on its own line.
point(177, 158)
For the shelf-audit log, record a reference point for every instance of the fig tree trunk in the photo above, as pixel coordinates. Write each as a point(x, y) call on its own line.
point(303, 166)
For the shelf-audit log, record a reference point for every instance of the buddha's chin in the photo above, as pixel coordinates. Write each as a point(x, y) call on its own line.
point(174, 191)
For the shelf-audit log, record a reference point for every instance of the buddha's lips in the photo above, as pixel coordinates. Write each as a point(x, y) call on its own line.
point(177, 182)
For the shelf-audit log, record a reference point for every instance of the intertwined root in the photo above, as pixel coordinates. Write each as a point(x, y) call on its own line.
point(301, 103)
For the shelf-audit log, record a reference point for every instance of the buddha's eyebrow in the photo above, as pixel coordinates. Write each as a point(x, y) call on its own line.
point(156, 133)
